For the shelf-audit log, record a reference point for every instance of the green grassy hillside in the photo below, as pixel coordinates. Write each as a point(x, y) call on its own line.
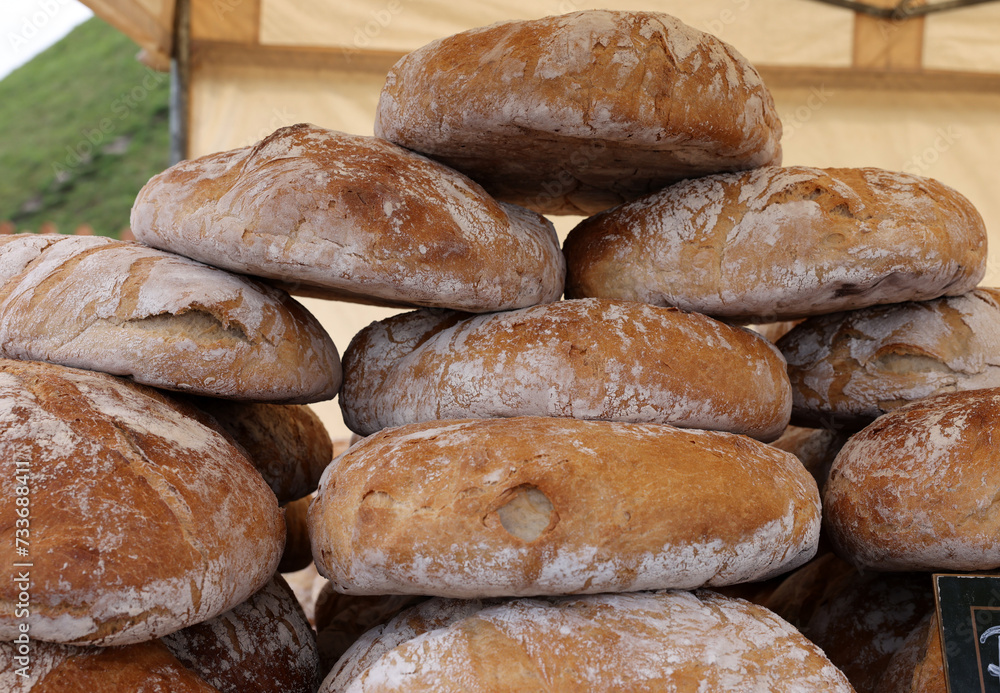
point(82, 127)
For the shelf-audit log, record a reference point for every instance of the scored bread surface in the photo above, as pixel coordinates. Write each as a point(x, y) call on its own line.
point(163, 320)
point(776, 244)
point(332, 215)
point(661, 641)
point(608, 106)
point(587, 359)
point(143, 520)
point(537, 505)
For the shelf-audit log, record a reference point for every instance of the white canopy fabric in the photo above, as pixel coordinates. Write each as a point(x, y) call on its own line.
point(919, 95)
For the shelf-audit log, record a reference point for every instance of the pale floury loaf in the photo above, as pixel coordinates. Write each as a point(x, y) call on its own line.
point(332, 215)
point(541, 505)
point(576, 113)
point(849, 368)
point(916, 490)
point(587, 359)
point(776, 244)
point(161, 319)
point(648, 641)
point(142, 520)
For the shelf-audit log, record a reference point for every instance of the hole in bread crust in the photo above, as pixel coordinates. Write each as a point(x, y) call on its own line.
point(199, 325)
point(378, 499)
point(527, 513)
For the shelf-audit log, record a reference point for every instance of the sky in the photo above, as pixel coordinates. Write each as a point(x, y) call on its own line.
point(27, 27)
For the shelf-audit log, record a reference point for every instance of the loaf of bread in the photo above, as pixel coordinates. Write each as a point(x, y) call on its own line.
point(577, 113)
point(587, 359)
point(661, 641)
point(852, 367)
point(332, 215)
point(858, 619)
point(264, 644)
point(163, 320)
point(287, 443)
point(537, 505)
point(140, 520)
point(146, 667)
point(816, 448)
point(776, 244)
point(918, 665)
point(916, 489)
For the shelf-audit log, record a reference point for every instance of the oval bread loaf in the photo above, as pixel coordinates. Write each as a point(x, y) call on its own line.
point(142, 520)
point(918, 665)
point(662, 641)
point(264, 644)
point(576, 113)
point(852, 367)
point(332, 215)
point(163, 320)
point(916, 490)
point(587, 359)
point(776, 244)
point(537, 505)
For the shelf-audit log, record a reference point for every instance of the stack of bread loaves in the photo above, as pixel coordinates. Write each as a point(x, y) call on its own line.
point(142, 524)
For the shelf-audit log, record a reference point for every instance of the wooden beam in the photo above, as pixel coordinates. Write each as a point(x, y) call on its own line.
point(888, 44)
point(236, 21)
point(153, 34)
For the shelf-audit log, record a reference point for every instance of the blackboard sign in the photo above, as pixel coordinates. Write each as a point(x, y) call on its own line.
point(969, 614)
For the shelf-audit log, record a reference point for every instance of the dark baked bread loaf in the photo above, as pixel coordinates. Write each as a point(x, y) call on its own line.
point(576, 113)
point(662, 641)
point(587, 359)
point(264, 645)
point(776, 244)
point(536, 505)
point(354, 218)
point(915, 490)
point(918, 665)
point(852, 367)
point(122, 308)
point(287, 443)
point(146, 667)
point(298, 552)
point(142, 520)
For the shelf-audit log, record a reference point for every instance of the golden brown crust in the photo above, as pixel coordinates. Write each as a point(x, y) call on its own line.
point(816, 448)
point(119, 474)
point(918, 665)
point(287, 443)
point(160, 319)
point(262, 644)
point(576, 113)
point(852, 367)
point(776, 244)
point(148, 667)
point(661, 641)
point(348, 217)
point(916, 490)
point(587, 359)
point(537, 505)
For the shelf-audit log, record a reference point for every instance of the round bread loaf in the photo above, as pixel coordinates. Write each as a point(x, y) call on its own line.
point(916, 490)
point(138, 521)
point(287, 443)
point(264, 645)
point(852, 367)
point(816, 448)
point(782, 243)
point(661, 641)
point(577, 113)
point(587, 359)
point(918, 665)
point(298, 552)
point(858, 619)
point(537, 505)
point(332, 215)
point(146, 667)
point(163, 320)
